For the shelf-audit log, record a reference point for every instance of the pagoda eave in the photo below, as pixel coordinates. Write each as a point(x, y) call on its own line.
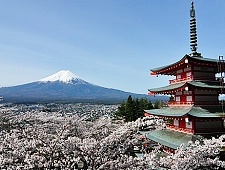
point(167, 89)
point(196, 85)
point(169, 112)
point(193, 111)
point(169, 69)
point(160, 93)
point(165, 138)
point(196, 60)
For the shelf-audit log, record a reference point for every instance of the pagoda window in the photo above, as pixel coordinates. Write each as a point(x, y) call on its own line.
point(187, 69)
point(177, 98)
point(179, 93)
point(188, 74)
point(179, 76)
point(189, 98)
point(176, 122)
point(179, 71)
point(189, 125)
point(187, 92)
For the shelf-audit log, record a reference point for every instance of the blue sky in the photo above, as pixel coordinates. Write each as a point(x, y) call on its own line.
point(111, 43)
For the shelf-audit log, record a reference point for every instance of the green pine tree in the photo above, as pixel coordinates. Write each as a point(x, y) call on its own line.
point(133, 109)
point(129, 113)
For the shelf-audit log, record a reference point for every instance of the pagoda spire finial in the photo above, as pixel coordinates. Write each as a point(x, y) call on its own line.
point(193, 30)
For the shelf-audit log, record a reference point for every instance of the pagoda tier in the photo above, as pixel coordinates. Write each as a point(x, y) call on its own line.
point(190, 63)
point(189, 86)
point(191, 119)
point(170, 139)
point(192, 93)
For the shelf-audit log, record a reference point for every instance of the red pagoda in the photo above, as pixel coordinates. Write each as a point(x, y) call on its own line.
point(194, 108)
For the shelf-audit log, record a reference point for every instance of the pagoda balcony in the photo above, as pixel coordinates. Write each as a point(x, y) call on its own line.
point(174, 103)
point(178, 129)
point(174, 81)
point(190, 78)
point(190, 103)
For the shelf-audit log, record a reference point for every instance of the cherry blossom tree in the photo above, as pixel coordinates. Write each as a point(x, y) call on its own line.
point(48, 140)
point(197, 155)
point(42, 140)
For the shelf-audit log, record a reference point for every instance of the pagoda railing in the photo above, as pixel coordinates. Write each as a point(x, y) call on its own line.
point(179, 129)
point(189, 103)
point(190, 78)
point(173, 103)
point(174, 81)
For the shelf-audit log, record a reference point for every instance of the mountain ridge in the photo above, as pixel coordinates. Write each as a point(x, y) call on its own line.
point(64, 86)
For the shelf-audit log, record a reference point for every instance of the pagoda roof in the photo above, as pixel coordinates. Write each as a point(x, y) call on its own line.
point(167, 69)
point(211, 85)
point(207, 111)
point(169, 138)
point(206, 84)
point(191, 59)
point(168, 88)
point(182, 111)
point(169, 111)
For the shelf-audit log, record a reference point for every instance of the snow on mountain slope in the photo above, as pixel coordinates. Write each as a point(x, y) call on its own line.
point(64, 76)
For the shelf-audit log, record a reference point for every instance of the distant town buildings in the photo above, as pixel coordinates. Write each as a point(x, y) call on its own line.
point(85, 110)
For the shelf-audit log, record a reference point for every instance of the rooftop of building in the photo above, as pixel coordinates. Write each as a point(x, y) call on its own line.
point(210, 85)
point(190, 58)
point(194, 111)
point(170, 138)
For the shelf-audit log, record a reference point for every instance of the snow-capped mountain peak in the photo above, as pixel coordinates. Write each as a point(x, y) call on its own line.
point(64, 76)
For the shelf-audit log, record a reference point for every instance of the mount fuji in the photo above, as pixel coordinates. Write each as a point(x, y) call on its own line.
point(64, 76)
point(63, 86)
